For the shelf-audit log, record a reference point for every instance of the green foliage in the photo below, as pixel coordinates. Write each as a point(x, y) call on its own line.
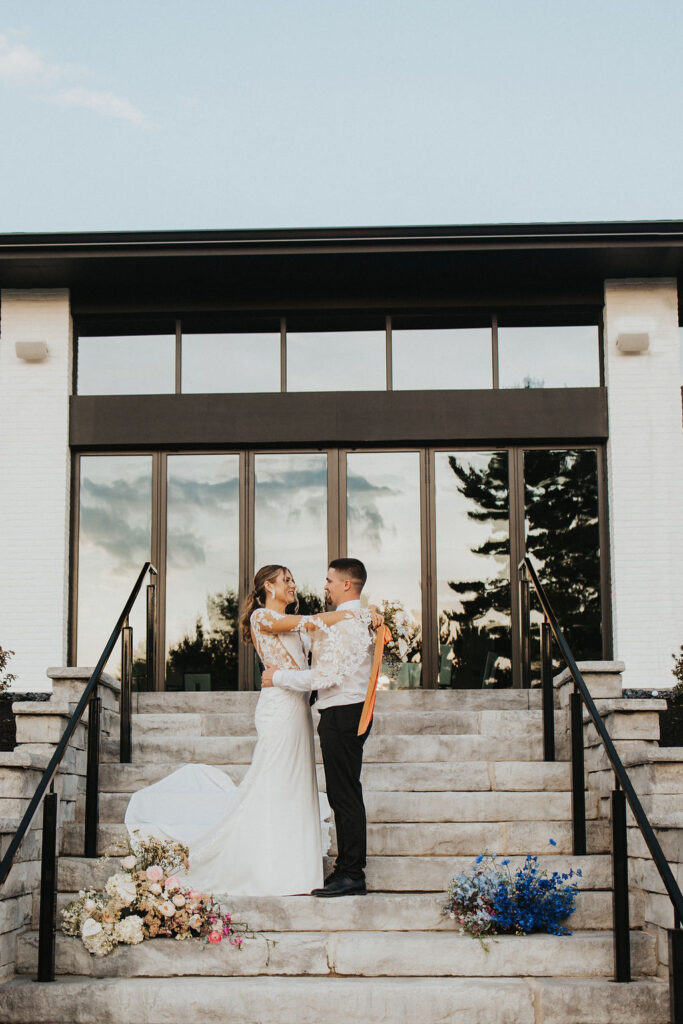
point(677, 670)
point(6, 677)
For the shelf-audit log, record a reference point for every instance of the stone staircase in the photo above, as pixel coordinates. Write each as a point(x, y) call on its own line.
point(447, 775)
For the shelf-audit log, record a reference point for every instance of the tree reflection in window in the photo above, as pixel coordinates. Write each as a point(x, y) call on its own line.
point(474, 633)
point(563, 541)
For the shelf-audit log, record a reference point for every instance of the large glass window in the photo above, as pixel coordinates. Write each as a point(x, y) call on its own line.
point(126, 365)
point(234, 363)
point(383, 530)
point(440, 359)
point(115, 522)
point(336, 361)
point(202, 572)
point(473, 569)
point(563, 539)
point(549, 357)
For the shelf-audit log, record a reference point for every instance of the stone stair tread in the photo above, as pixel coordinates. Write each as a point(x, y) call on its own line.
point(443, 838)
point(378, 912)
point(357, 954)
point(334, 1000)
point(402, 807)
point(417, 776)
point(387, 701)
point(411, 874)
point(396, 748)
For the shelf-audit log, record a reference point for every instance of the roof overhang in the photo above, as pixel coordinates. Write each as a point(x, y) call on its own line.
point(345, 268)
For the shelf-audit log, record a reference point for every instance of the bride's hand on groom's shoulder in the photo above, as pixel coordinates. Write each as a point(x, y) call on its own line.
point(376, 617)
point(267, 676)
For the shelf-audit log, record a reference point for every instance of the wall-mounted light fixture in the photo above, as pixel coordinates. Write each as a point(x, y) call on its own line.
point(631, 344)
point(31, 351)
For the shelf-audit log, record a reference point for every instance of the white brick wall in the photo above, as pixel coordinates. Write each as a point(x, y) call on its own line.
point(34, 483)
point(645, 467)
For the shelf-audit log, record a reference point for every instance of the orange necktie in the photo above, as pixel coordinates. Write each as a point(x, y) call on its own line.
point(383, 637)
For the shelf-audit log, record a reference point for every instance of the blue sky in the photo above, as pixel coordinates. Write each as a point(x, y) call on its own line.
point(286, 113)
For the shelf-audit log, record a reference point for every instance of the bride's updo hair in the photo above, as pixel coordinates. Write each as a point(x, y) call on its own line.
point(256, 598)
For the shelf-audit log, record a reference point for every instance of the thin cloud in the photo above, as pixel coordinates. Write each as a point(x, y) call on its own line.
point(107, 103)
point(22, 66)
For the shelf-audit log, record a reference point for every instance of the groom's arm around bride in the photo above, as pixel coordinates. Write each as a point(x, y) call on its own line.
point(340, 671)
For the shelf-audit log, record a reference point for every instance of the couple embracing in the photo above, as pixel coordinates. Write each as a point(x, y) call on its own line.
point(264, 837)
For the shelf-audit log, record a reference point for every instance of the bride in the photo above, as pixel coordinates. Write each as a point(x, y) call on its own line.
point(263, 837)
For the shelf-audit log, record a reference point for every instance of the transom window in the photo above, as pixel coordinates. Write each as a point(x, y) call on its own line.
point(401, 353)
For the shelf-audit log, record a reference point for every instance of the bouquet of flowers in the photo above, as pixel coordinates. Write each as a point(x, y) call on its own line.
point(491, 900)
point(145, 899)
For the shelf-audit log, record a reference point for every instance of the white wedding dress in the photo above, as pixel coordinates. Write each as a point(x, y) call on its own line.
point(263, 837)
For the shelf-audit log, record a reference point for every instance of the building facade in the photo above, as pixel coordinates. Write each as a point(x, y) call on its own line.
point(436, 401)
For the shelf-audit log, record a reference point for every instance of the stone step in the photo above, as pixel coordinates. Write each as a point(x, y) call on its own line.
point(385, 912)
point(173, 745)
point(387, 700)
point(406, 807)
point(423, 839)
point(335, 1000)
point(385, 874)
point(390, 723)
point(471, 776)
point(355, 954)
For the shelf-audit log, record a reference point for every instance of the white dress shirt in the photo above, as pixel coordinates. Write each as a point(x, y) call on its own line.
point(342, 661)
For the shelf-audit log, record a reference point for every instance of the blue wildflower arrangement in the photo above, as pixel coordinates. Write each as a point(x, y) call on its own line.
point(490, 900)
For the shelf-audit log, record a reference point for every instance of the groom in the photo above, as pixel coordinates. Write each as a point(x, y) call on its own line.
point(342, 662)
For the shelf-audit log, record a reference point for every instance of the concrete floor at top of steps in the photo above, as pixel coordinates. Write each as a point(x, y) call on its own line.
point(407, 874)
point(335, 1001)
point(359, 954)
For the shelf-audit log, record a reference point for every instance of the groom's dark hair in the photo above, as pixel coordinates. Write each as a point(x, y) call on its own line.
point(351, 567)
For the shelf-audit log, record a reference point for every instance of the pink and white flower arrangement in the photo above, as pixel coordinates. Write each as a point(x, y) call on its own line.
point(146, 900)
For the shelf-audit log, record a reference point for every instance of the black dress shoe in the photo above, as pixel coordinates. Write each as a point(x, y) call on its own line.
point(330, 878)
point(342, 885)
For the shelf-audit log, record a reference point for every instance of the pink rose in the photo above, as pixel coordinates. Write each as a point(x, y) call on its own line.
point(194, 894)
point(128, 863)
point(172, 883)
point(215, 937)
point(154, 873)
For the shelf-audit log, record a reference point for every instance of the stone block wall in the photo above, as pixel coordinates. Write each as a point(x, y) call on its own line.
point(40, 726)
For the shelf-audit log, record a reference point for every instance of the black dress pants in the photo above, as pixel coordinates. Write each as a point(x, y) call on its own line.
point(342, 751)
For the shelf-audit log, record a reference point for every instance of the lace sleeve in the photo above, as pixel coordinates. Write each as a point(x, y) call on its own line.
point(340, 650)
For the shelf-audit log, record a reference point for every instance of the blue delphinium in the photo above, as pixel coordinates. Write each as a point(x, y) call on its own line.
point(490, 900)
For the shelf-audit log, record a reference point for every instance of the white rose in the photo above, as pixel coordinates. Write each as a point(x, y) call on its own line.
point(129, 863)
point(195, 922)
point(167, 908)
point(127, 892)
point(155, 888)
point(90, 927)
point(179, 900)
point(89, 906)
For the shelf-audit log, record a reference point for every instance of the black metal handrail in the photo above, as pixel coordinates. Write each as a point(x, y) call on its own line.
point(89, 699)
point(623, 792)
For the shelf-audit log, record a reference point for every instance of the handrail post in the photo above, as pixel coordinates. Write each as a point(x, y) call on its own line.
point(548, 693)
point(126, 693)
point(578, 777)
point(151, 635)
point(676, 974)
point(525, 627)
point(92, 779)
point(48, 889)
point(620, 909)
